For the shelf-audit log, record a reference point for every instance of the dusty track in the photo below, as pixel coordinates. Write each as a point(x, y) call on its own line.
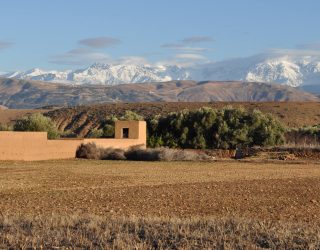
point(274, 191)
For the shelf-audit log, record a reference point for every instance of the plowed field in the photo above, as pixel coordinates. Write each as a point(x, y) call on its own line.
point(287, 191)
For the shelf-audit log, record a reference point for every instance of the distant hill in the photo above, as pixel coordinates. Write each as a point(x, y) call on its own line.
point(25, 94)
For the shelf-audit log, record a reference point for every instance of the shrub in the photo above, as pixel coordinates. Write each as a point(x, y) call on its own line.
point(95, 133)
point(92, 151)
point(210, 128)
point(131, 116)
point(108, 131)
point(37, 122)
point(112, 154)
point(309, 135)
point(143, 155)
point(5, 127)
point(88, 151)
point(165, 154)
point(68, 134)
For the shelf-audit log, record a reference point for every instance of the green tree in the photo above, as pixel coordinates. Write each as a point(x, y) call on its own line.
point(108, 131)
point(37, 122)
point(5, 127)
point(210, 128)
point(131, 116)
point(95, 133)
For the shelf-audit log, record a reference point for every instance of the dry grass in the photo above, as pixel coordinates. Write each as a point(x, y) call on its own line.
point(153, 233)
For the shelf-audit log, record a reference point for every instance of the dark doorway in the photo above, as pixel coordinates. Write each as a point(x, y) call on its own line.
point(125, 133)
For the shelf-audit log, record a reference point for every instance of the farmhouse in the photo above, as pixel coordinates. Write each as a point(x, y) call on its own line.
point(34, 146)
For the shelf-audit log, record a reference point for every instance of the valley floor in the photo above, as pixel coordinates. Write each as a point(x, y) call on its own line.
point(273, 192)
point(277, 191)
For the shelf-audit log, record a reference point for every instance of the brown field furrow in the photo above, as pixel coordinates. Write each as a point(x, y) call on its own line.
point(268, 191)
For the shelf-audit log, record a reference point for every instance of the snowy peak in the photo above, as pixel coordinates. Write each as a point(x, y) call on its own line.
point(107, 74)
point(117, 74)
point(288, 70)
point(292, 70)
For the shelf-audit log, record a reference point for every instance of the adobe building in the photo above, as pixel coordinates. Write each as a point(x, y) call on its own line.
point(34, 146)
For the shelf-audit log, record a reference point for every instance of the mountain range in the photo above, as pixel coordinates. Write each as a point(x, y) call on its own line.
point(25, 94)
point(293, 70)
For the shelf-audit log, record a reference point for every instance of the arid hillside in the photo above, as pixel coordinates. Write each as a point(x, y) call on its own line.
point(83, 118)
point(25, 94)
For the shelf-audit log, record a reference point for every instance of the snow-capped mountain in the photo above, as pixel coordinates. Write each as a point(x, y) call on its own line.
point(106, 74)
point(40, 75)
point(292, 70)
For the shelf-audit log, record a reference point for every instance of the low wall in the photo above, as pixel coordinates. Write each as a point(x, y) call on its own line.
point(34, 146)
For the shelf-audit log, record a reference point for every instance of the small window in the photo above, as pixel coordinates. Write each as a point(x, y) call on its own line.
point(125, 133)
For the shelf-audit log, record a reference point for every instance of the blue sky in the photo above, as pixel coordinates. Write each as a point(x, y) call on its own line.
point(68, 34)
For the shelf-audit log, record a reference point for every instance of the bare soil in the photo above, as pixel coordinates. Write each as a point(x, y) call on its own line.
point(278, 191)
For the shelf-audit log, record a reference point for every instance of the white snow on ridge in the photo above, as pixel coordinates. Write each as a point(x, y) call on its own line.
point(283, 69)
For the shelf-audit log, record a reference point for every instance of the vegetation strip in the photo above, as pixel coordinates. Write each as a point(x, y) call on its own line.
point(90, 231)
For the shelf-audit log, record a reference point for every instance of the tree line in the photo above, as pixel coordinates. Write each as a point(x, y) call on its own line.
point(205, 128)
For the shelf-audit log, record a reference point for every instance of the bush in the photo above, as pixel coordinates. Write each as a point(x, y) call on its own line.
point(137, 154)
point(309, 135)
point(37, 122)
point(95, 133)
point(112, 154)
point(165, 154)
point(204, 128)
point(92, 151)
point(131, 116)
point(88, 151)
point(108, 131)
point(5, 127)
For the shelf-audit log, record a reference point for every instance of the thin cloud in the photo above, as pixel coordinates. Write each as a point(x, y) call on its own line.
point(5, 44)
point(190, 56)
point(100, 42)
point(187, 45)
point(181, 47)
point(80, 56)
point(306, 49)
point(197, 39)
point(309, 46)
point(136, 60)
point(85, 56)
point(171, 45)
point(294, 52)
point(184, 60)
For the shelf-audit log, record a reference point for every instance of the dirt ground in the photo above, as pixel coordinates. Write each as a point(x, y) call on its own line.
point(287, 191)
